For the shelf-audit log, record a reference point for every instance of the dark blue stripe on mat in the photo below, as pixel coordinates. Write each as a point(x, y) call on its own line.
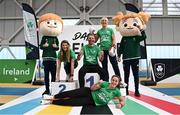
point(22, 107)
point(104, 110)
point(15, 91)
point(169, 91)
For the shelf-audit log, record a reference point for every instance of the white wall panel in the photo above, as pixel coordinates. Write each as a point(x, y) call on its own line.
point(176, 24)
point(167, 28)
point(156, 30)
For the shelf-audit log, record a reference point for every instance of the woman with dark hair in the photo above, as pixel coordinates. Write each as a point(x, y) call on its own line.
point(67, 56)
point(99, 94)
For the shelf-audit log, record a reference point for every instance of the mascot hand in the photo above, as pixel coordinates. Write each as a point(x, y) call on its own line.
point(54, 46)
point(46, 45)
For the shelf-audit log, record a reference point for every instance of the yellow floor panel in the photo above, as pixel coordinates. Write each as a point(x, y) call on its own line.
point(177, 97)
point(55, 110)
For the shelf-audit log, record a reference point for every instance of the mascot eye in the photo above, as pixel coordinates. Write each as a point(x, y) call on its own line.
point(55, 23)
point(135, 24)
point(125, 25)
point(48, 22)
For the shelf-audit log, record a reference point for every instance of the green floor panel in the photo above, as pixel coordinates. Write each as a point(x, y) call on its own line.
point(132, 107)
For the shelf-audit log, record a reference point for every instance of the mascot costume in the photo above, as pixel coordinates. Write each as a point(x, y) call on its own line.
point(50, 26)
point(131, 26)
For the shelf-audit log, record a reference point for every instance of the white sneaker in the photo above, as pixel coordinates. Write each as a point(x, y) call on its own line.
point(45, 102)
point(47, 97)
point(123, 85)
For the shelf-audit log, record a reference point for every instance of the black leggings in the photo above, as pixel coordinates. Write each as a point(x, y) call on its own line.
point(113, 61)
point(78, 97)
point(91, 69)
point(134, 63)
point(49, 66)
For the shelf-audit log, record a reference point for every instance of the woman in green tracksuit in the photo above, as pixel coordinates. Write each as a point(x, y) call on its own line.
point(67, 56)
point(98, 95)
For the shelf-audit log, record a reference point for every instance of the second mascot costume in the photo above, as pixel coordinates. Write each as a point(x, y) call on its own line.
point(131, 26)
point(50, 25)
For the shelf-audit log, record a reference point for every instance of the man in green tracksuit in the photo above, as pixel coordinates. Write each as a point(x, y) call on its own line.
point(130, 49)
point(92, 54)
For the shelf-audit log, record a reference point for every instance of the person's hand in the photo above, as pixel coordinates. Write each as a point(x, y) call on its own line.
point(114, 45)
point(101, 56)
point(100, 81)
point(119, 59)
point(78, 57)
point(71, 79)
point(118, 106)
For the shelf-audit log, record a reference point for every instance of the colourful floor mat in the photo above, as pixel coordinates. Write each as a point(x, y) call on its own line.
point(134, 105)
point(131, 107)
point(164, 105)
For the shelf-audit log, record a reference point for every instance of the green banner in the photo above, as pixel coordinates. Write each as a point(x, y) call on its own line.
point(16, 71)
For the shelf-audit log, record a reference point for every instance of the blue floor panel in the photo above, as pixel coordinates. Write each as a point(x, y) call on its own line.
point(22, 107)
point(169, 91)
point(15, 91)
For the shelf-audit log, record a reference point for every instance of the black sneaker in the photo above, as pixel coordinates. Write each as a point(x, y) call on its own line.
point(137, 94)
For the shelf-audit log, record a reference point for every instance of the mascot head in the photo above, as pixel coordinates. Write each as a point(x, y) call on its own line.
point(50, 24)
point(130, 24)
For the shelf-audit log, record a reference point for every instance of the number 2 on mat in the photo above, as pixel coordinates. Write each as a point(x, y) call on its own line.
point(62, 87)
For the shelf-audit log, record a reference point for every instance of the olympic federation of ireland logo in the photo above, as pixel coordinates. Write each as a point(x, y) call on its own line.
point(159, 70)
point(30, 24)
